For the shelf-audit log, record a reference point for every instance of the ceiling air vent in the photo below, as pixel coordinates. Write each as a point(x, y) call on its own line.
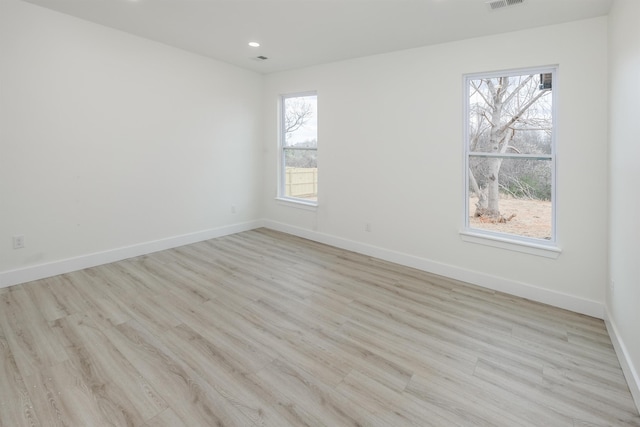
point(499, 4)
point(260, 58)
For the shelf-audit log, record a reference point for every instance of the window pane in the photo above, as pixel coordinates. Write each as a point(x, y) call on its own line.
point(301, 158)
point(510, 153)
point(511, 114)
point(523, 200)
point(301, 174)
point(299, 139)
point(300, 121)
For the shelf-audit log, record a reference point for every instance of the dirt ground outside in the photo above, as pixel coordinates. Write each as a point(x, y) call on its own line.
point(533, 218)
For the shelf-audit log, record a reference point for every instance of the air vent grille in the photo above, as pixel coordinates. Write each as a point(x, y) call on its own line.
point(499, 4)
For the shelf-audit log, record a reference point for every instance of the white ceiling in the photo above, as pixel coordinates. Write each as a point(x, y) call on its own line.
point(299, 33)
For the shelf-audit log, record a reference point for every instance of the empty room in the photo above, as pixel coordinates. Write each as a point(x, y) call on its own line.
point(319, 213)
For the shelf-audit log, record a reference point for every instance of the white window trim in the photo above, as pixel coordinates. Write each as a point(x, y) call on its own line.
point(297, 203)
point(507, 241)
point(539, 247)
point(281, 197)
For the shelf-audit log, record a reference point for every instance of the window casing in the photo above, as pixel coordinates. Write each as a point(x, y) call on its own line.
point(298, 147)
point(510, 156)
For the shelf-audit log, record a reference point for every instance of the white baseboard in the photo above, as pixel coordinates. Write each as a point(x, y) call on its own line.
point(524, 290)
point(40, 271)
point(557, 299)
point(629, 370)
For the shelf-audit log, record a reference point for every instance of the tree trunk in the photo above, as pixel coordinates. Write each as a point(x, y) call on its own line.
point(493, 189)
point(497, 142)
point(481, 204)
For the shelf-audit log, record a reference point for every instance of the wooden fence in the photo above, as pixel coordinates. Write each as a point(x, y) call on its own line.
point(301, 183)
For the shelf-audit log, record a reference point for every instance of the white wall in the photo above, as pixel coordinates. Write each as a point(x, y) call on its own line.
point(623, 302)
point(108, 141)
point(398, 117)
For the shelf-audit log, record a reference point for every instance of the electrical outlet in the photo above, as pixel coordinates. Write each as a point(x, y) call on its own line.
point(18, 242)
point(233, 209)
point(612, 286)
point(367, 227)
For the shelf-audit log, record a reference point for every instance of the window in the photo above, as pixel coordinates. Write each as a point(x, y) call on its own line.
point(510, 155)
point(299, 147)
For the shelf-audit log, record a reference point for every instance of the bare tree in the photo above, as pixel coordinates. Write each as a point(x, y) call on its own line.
point(296, 113)
point(504, 107)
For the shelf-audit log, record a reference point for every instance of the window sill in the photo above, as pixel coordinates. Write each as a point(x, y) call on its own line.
point(547, 251)
point(299, 204)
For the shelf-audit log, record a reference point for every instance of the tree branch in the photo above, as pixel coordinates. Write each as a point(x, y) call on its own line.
point(526, 106)
point(517, 90)
point(477, 88)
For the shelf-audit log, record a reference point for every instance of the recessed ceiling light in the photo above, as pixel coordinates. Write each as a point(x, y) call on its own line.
point(254, 44)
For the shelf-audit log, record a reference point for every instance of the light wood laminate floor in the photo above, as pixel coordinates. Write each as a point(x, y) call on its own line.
point(265, 329)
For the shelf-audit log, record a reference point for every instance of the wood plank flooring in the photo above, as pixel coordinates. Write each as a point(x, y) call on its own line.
point(265, 329)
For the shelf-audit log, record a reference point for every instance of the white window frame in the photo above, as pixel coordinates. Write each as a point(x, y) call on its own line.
point(541, 247)
point(281, 196)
